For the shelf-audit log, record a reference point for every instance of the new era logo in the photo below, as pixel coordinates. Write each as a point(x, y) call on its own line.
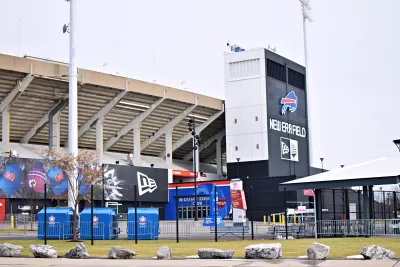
point(145, 184)
point(289, 149)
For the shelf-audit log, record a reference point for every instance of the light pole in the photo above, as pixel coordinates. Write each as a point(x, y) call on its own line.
point(195, 137)
point(238, 159)
point(322, 164)
point(305, 8)
point(73, 97)
point(397, 143)
point(341, 166)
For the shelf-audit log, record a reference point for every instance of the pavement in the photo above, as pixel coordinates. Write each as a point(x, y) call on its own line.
point(32, 262)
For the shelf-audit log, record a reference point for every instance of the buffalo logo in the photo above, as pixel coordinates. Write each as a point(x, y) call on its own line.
point(145, 184)
point(9, 176)
point(289, 102)
point(142, 219)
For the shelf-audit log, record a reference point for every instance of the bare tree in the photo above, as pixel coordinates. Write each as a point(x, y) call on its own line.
point(81, 172)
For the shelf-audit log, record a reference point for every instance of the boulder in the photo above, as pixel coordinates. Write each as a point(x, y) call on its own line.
point(43, 251)
point(214, 253)
point(318, 252)
point(120, 253)
point(164, 253)
point(78, 252)
point(10, 250)
point(377, 253)
point(264, 251)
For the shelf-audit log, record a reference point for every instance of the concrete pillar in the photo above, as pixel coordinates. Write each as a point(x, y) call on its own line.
point(5, 142)
point(54, 132)
point(137, 161)
point(168, 149)
point(318, 209)
point(99, 140)
point(219, 156)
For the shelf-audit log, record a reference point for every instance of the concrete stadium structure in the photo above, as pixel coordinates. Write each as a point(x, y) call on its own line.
point(116, 116)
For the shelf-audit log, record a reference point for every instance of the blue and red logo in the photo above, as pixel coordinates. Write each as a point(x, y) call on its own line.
point(289, 102)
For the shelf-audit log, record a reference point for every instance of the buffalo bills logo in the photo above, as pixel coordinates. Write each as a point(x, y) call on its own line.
point(9, 176)
point(289, 102)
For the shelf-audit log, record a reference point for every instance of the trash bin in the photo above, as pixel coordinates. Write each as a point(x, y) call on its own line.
point(105, 224)
point(147, 223)
point(59, 223)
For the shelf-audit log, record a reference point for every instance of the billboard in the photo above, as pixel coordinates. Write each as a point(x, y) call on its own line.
point(25, 179)
point(120, 180)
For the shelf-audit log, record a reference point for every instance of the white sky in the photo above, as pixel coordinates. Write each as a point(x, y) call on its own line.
point(353, 54)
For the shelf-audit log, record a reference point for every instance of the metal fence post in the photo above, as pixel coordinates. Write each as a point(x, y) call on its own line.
point(135, 199)
point(177, 214)
point(45, 214)
point(91, 213)
point(215, 214)
point(286, 226)
point(251, 212)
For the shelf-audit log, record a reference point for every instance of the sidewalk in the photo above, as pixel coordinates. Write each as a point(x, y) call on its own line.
point(32, 262)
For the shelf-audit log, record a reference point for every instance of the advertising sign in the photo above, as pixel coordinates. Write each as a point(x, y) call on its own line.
point(238, 199)
point(239, 215)
point(152, 183)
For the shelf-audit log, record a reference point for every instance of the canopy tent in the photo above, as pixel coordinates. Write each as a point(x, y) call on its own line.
point(375, 172)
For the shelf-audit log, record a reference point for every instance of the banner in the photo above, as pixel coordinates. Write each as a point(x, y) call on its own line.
point(238, 199)
point(25, 179)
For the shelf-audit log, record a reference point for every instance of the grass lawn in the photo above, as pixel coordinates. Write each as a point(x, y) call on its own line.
point(340, 247)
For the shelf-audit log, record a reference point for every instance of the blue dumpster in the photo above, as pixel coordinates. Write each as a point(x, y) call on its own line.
point(59, 223)
point(105, 224)
point(147, 223)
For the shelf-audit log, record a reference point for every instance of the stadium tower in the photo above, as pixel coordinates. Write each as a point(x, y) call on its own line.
point(266, 115)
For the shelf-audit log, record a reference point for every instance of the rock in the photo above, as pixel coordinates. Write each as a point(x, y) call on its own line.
point(214, 253)
point(164, 253)
point(43, 251)
point(78, 252)
point(120, 253)
point(377, 253)
point(10, 250)
point(355, 257)
point(264, 251)
point(318, 252)
point(192, 257)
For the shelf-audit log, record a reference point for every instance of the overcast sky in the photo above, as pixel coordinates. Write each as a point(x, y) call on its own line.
point(353, 54)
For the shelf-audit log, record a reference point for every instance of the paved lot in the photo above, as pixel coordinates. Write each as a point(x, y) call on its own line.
point(24, 262)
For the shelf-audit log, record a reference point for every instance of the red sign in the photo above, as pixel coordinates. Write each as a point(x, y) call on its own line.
point(238, 199)
point(2, 209)
point(187, 174)
point(308, 192)
point(221, 203)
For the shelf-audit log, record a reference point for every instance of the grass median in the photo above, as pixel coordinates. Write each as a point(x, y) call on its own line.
point(340, 247)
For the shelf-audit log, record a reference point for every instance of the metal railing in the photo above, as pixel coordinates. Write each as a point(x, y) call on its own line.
point(388, 227)
point(195, 230)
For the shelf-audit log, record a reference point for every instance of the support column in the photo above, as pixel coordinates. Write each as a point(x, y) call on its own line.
point(5, 142)
point(371, 202)
point(168, 149)
point(54, 132)
point(318, 209)
point(346, 204)
point(99, 140)
point(219, 156)
point(366, 210)
point(137, 160)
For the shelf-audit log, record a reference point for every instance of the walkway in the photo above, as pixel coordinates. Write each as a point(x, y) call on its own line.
point(25, 262)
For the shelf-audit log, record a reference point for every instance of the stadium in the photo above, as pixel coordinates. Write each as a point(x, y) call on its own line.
point(142, 128)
